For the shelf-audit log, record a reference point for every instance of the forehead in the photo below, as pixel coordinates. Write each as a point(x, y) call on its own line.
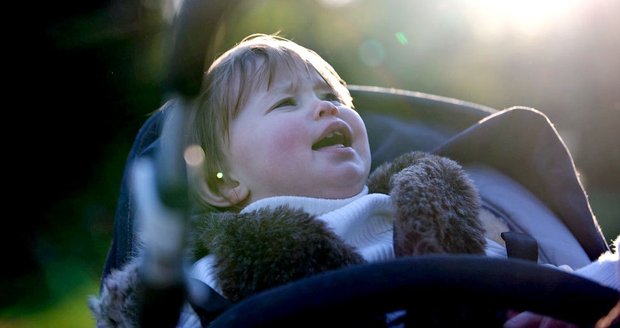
point(291, 81)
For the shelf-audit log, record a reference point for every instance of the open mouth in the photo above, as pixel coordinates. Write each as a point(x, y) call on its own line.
point(338, 136)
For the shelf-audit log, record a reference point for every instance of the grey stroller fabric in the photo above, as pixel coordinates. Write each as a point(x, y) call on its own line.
point(523, 144)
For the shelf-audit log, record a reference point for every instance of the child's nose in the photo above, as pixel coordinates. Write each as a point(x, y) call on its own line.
point(325, 108)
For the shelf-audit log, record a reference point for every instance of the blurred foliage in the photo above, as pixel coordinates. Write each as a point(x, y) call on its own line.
point(103, 65)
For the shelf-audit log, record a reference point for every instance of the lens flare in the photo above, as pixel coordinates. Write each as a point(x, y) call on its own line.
point(401, 38)
point(194, 155)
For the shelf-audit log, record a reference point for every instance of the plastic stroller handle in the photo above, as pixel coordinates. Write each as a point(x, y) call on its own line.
point(162, 268)
point(457, 290)
point(193, 29)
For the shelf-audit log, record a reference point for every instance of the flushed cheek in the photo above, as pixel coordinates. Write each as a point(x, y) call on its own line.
point(277, 146)
point(289, 139)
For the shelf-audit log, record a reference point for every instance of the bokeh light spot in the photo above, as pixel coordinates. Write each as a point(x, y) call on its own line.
point(401, 38)
point(194, 155)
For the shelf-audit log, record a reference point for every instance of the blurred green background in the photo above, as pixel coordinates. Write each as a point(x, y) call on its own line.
point(95, 71)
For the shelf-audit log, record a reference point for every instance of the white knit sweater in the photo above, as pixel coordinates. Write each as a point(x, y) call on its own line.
point(364, 221)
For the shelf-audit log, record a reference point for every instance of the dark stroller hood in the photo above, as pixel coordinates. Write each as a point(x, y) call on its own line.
point(519, 142)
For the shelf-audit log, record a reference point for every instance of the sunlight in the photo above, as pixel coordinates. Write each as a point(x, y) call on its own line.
point(335, 3)
point(527, 17)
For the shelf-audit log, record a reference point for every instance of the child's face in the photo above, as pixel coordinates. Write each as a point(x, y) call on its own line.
point(298, 139)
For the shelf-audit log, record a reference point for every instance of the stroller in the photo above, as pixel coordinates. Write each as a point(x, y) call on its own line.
point(455, 290)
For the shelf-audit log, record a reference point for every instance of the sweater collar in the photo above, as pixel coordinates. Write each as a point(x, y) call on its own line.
point(315, 206)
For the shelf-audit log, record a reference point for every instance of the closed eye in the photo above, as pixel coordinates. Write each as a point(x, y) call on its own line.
point(289, 101)
point(332, 97)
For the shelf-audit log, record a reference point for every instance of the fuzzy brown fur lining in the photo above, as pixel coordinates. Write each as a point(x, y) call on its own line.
point(436, 205)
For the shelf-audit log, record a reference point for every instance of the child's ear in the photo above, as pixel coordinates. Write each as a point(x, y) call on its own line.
point(228, 193)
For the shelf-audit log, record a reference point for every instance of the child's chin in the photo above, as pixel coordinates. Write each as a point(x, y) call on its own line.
point(343, 193)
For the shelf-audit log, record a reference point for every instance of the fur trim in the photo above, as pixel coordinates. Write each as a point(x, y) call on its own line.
point(437, 205)
point(117, 303)
point(262, 249)
point(436, 212)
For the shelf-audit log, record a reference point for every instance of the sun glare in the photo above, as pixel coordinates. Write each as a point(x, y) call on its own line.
point(528, 17)
point(335, 3)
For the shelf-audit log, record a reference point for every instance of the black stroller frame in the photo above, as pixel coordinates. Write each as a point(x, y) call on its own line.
point(455, 290)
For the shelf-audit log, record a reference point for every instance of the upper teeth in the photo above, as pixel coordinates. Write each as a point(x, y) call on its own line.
point(333, 134)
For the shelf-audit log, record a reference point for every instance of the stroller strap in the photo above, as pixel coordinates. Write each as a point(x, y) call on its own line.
point(520, 246)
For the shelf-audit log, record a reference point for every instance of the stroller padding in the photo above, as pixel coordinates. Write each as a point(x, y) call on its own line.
point(445, 282)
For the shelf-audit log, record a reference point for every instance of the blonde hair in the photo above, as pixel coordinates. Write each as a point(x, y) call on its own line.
point(230, 81)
